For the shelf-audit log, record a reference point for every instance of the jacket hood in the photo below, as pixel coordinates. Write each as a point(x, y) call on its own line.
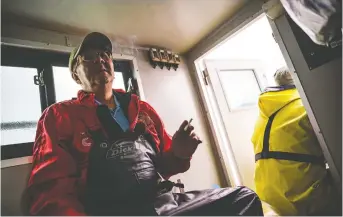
point(275, 97)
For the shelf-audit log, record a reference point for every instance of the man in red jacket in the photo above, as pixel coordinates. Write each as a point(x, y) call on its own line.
point(107, 153)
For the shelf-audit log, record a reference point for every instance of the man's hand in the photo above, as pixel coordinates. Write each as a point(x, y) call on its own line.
point(185, 141)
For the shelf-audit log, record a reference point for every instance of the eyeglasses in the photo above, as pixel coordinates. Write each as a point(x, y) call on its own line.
point(93, 55)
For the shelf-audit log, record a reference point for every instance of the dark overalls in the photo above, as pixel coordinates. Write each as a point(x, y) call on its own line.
point(123, 180)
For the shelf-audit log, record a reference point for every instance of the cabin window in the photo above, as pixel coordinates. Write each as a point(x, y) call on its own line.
point(20, 105)
point(23, 100)
point(66, 88)
point(241, 88)
point(118, 81)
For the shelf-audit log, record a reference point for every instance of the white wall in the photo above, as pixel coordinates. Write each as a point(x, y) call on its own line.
point(173, 96)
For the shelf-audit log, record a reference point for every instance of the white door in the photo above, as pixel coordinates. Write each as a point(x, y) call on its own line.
point(236, 85)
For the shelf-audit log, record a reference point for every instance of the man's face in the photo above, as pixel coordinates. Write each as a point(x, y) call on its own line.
point(94, 69)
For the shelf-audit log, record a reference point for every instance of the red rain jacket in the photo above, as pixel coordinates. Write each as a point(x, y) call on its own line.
point(61, 150)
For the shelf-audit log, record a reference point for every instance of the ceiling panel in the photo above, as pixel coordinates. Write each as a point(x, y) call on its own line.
point(174, 24)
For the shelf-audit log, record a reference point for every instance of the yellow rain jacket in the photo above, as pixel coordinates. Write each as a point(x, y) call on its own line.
point(290, 173)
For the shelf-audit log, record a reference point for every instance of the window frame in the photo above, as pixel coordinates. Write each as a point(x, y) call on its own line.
point(25, 57)
point(228, 98)
point(42, 59)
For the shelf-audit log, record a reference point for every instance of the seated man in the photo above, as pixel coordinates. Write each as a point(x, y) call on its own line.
point(107, 153)
point(290, 173)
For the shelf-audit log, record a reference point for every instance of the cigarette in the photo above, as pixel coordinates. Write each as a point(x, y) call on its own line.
point(189, 123)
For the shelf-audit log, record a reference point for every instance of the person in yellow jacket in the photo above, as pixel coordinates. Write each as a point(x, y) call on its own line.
point(290, 172)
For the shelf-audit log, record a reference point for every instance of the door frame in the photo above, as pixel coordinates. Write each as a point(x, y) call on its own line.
point(239, 20)
point(195, 61)
point(222, 110)
point(221, 140)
